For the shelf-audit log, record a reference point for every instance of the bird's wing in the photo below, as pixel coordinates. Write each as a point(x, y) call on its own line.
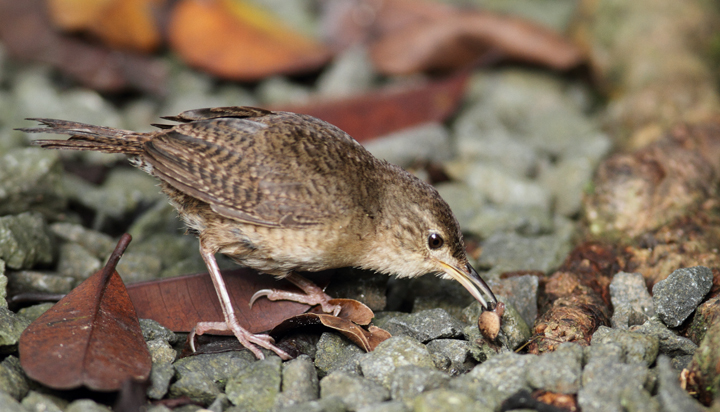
point(271, 171)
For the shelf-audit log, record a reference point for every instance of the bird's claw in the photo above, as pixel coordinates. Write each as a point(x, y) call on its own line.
point(260, 293)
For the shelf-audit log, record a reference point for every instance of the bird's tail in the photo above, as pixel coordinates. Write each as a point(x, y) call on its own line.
point(88, 137)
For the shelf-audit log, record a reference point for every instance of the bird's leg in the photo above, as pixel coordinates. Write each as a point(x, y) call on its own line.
point(312, 295)
point(247, 339)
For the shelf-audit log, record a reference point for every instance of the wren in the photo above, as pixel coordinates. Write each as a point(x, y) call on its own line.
point(281, 192)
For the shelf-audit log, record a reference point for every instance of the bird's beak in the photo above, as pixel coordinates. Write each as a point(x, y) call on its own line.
point(473, 283)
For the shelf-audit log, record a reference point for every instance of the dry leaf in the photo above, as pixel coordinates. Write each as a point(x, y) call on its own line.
point(351, 316)
point(125, 24)
point(26, 34)
point(235, 40)
point(384, 111)
point(410, 36)
point(179, 303)
point(91, 337)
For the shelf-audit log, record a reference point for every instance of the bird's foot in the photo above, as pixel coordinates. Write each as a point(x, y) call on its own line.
point(247, 339)
point(319, 298)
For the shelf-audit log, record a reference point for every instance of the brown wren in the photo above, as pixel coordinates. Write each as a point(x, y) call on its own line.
point(281, 192)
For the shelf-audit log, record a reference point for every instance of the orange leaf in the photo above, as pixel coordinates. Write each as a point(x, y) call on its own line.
point(234, 40)
point(91, 337)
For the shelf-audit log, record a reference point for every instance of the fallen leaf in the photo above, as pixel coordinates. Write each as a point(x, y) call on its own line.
point(179, 303)
point(351, 316)
point(124, 24)
point(236, 40)
point(410, 36)
point(26, 33)
point(385, 111)
point(91, 337)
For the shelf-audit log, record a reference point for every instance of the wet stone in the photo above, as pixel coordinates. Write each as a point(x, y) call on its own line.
point(160, 376)
point(380, 364)
point(451, 356)
point(557, 371)
point(36, 401)
point(24, 241)
point(409, 381)
point(202, 377)
point(256, 387)
point(676, 297)
point(636, 347)
point(12, 378)
point(671, 396)
point(336, 353)
point(423, 326)
point(671, 344)
point(77, 262)
point(11, 326)
point(97, 243)
point(151, 330)
point(42, 282)
point(299, 382)
point(353, 390)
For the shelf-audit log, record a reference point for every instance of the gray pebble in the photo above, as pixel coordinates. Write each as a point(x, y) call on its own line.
point(86, 405)
point(671, 396)
point(151, 329)
point(13, 380)
point(331, 404)
point(451, 356)
point(351, 72)
point(505, 373)
point(445, 400)
point(257, 386)
point(31, 313)
point(30, 180)
point(11, 326)
point(202, 377)
point(524, 220)
point(25, 240)
point(160, 376)
point(423, 326)
point(465, 203)
point(161, 351)
point(520, 292)
point(636, 347)
point(388, 406)
point(676, 297)
point(43, 282)
point(638, 400)
point(509, 252)
point(41, 402)
point(559, 371)
point(299, 382)
point(10, 404)
point(603, 384)
point(381, 363)
point(430, 141)
point(77, 262)
point(409, 381)
point(629, 289)
point(353, 390)
point(337, 353)
point(671, 344)
point(97, 243)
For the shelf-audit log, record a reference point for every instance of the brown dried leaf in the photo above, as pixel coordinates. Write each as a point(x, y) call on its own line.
point(91, 337)
point(366, 339)
point(125, 24)
point(430, 37)
point(179, 303)
point(235, 40)
point(25, 32)
point(352, 310)
point(381, 112)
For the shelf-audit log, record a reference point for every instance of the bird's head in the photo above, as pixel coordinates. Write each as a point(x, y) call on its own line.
point(422, 236)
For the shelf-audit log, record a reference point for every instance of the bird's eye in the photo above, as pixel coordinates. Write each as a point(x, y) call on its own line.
point(435, 241)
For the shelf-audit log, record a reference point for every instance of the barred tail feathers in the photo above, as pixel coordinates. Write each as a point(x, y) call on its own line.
point(89, 137)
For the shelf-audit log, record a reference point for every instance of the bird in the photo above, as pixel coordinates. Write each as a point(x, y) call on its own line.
point(283, 193)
